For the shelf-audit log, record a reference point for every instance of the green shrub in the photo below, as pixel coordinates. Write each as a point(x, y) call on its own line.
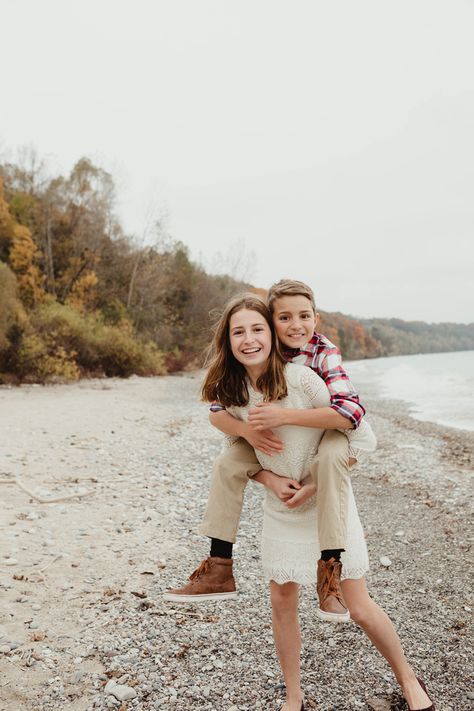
point(37, 361)
point(63, 343)
point(120, 353)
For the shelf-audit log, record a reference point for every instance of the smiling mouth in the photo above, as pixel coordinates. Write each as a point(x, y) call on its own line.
point(251, 351)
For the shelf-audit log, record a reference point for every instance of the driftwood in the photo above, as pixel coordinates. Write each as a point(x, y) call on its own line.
point(42, 499)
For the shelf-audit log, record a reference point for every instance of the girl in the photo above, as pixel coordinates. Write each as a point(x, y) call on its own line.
point(248, 368)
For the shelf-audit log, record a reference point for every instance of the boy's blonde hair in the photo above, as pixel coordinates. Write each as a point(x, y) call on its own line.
point(289, 287)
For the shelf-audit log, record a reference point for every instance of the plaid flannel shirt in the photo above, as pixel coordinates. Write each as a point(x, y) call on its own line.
point(324, 358)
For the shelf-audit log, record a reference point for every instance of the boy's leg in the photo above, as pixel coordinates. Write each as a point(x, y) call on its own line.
point(230, 474)
point(330, 471)
point(214, 577)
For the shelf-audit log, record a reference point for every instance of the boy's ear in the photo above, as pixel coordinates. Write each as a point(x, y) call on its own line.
point(316, 320)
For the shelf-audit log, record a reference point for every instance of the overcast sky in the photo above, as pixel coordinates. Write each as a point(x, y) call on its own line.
point(330, 142)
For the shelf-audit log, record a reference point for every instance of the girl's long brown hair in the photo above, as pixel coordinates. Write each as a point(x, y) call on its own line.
point(226, 379)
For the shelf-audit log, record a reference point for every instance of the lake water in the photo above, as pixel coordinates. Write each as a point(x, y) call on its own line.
point(438, 386)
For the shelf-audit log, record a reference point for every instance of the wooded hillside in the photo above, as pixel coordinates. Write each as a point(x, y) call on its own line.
point(80, 297)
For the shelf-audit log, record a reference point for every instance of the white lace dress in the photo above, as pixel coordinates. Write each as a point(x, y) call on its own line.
point(290, 546)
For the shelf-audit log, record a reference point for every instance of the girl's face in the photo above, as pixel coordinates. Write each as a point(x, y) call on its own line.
point(250, 339)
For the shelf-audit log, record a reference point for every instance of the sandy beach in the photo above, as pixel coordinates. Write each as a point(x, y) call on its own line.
point(81, 578)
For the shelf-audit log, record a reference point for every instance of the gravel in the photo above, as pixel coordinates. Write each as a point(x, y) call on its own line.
point(132, 650)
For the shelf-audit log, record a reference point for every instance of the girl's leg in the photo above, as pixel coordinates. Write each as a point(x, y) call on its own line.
point(286, 633)
point(380, 630)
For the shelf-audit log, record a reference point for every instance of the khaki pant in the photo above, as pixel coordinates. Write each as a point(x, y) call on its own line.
point(234, 467)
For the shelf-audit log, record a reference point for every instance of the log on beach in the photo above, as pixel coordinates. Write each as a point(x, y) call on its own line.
point(82, 622)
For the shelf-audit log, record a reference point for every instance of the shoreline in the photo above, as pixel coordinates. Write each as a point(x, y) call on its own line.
point(85, 603)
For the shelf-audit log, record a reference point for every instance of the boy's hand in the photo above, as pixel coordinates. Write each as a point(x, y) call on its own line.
point(301, 495)
point(284, 488)
point(264, 440)
point(266, 415)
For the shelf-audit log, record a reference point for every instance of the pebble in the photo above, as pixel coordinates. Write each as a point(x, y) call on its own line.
point(10, 561)
point(385, 561)
point(77, 676)
point(120, 691)
point(4, 648)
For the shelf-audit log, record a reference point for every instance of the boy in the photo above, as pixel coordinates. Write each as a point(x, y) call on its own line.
point(295, 318)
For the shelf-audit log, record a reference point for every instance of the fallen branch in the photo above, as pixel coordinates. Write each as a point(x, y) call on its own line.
point(47, 500)
point(45, 567)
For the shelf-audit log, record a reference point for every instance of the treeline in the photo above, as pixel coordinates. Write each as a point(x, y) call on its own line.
point(79, 297)
point(372, 338)
point(397, 337)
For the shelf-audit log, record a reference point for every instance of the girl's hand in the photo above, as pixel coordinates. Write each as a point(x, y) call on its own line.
point(284, 488)
point(266, 416)
point(300, 496)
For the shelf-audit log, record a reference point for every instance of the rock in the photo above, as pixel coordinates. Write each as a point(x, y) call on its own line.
point(379, 704)
point(120, 691)
point(385, 561)
point(4, 648)
point(470, 695)
point(10, 561)
point(77, 676)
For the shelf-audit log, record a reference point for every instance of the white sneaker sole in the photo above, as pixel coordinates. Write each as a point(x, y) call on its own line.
point(171, 597)
point(333, 616)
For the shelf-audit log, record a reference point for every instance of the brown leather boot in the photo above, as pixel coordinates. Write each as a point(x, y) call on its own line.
point(332, 607)
point(212, 580)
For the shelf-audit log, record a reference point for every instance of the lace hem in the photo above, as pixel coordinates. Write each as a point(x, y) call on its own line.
point(304, 576)
point(289, 575)
point(296, 561)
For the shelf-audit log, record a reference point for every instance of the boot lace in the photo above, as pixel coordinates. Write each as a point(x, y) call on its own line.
point(203, 568)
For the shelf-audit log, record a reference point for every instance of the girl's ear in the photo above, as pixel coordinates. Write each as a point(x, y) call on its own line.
point(316, 321)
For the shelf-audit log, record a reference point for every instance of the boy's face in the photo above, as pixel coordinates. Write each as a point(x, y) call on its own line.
point(294, 320)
